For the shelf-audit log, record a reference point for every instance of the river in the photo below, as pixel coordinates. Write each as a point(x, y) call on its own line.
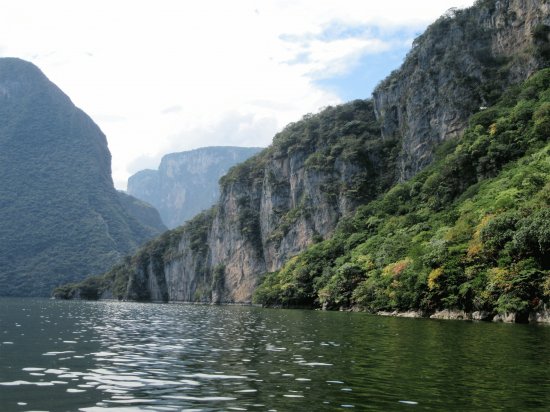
point(120, 356)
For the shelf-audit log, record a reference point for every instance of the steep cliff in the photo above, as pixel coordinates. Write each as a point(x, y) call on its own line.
point(461, 63)
point(320, 169)
point(60, 217)
point(186, 183)
point(468, 237)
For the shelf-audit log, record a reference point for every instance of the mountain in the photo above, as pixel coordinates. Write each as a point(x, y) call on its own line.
point(281, 212)
point(61, 218)
point(461, 63)
point(186, 183)
point(467, 237)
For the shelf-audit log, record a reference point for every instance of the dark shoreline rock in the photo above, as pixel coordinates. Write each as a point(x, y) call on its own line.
point(541, 316)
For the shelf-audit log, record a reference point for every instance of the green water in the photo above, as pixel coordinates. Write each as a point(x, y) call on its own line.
point(93, 356)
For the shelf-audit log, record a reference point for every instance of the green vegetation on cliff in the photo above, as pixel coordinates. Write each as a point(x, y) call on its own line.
point(347, 134)
point(340, 154)
point(128, 278)
point(471, 232)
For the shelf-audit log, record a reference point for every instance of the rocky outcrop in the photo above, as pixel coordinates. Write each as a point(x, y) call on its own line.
point(460, 64)
point(408, 314)
point(506, 317)
point(451, 315)
point(186, 183)
point(482, 315)
point(540, 316)
point(61, 218)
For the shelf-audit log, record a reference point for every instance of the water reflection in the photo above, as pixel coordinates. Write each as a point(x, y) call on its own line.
point(95, 356)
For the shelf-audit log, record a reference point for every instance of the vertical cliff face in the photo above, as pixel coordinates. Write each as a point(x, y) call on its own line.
point(271, 207)
point(186, 183)
point(61, 219)
point(460, 64)
point(320, 169)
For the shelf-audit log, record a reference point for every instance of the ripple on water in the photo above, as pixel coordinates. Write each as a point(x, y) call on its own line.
point(21, 382)
point(58, 353)
point(132, 357)
point(317, 364)
point(409, 402)
point(200, 399)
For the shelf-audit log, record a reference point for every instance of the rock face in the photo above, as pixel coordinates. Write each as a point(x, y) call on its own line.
point(448, 314)
point(186, 183)
point(60, 217)
point(461, 63)
point(271, 207)
point(320, 169)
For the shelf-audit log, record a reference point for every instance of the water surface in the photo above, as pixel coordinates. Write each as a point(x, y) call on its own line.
point(95, 356)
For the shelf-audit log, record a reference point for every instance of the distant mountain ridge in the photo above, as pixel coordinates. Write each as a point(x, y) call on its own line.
point(61, 218)
point(186, 183)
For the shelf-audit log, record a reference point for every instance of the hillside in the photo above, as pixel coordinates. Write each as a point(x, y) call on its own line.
point(469, 233)
point(61, 218)
point(186, 183)
point(320, 170)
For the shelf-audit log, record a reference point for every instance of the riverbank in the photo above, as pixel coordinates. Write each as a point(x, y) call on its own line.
point(540, 316)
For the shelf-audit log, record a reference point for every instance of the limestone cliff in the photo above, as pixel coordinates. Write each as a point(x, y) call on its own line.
point(320, 169)
point(187, 182)
point(460, 64)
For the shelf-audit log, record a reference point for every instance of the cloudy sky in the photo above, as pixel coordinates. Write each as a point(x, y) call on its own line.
point(161, 76)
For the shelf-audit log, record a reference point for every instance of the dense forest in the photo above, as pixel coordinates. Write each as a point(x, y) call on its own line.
point(471, 232)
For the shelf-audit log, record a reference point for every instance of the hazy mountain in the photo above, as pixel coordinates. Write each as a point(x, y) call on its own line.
point(187, 182)
point(60, 217)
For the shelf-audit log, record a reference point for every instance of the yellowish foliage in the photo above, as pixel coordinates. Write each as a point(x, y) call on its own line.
point(499, 278)
point(492, 129)
point(475, 246)
point(432, 278)
point(365, 261)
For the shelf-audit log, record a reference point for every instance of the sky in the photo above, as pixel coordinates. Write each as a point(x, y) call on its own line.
point(164, 76)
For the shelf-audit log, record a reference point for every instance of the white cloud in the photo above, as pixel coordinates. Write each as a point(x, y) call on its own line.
point(323, 59)
point(175, 75)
